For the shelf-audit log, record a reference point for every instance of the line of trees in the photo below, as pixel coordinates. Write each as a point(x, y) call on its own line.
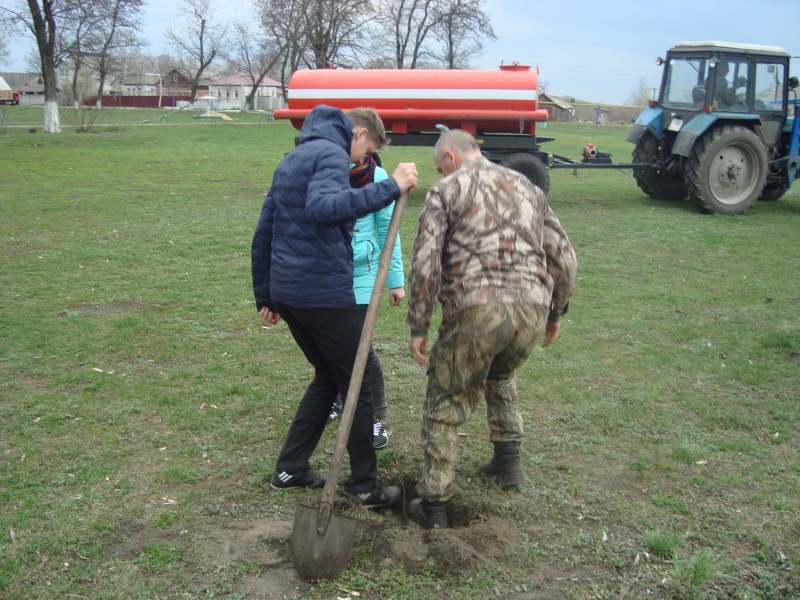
point(274, 36)
point(391, 34)
point(80, 31)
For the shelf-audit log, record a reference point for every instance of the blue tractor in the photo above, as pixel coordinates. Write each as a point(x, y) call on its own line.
point(721, 131)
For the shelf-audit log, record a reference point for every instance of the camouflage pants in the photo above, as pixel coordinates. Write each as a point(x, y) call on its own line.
point(477, 351)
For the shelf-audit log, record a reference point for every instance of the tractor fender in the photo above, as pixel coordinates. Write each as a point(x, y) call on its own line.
point(691, 131)
point(702, 123)
point(650, 119)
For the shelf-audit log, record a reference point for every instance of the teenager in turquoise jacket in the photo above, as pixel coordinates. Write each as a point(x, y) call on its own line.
point(369, 236)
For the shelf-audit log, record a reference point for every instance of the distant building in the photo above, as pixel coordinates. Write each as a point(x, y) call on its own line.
point(170, 86)
point(177, 84)
point(557, 108)
point(232, 90)
point(141, 85)
point(29, 85)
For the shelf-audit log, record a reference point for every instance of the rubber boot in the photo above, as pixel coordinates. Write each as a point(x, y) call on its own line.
point(429, 515)
point(505, 466)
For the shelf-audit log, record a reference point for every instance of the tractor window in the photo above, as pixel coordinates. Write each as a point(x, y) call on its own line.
point(730, 85)
point(770, 80)
point(684, 85)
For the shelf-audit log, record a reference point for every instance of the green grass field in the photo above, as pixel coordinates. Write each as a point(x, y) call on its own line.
point(143, 403)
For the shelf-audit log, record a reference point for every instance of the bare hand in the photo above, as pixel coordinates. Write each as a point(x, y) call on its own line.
point(417, 347)
point(396, 296)
point(269, 316)
point(406, 177)
point(551, 333)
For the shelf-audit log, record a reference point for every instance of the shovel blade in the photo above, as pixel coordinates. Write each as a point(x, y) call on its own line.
point(318, 556)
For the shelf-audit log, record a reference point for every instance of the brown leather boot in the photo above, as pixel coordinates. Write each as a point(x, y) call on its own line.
point(505, 466)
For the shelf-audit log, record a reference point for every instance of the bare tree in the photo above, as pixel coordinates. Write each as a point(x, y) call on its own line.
point(331, 28)
point(542, 88)
point(88, 33)
point(132, 61)
point(291, 28)
point(462, 28)
point(119, 25)
point(40, 19)
point(199, 40)
point(640, 94)
point(284, 27)
point(256, 54)
point(316, 33)
point(410, 23)
point(322, 33)
point(5, 29)
point(76, 39)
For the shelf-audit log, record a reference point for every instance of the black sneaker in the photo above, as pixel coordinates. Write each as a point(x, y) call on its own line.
point(308, 479)
point(382, 495)
point(336, 410)
point(380, 436)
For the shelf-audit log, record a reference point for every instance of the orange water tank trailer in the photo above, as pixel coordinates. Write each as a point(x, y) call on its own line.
point(417, 100)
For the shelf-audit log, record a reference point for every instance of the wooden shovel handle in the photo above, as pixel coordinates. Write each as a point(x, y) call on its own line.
point(329, 491)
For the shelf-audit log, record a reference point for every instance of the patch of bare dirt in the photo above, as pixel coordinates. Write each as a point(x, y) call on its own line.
point(457, 552)
point(482, 537)
point(266, 543)
point(132, 538)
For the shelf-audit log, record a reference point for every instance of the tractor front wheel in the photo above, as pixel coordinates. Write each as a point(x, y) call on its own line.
point(651, 179)
point(531, 167)
point(726, 171)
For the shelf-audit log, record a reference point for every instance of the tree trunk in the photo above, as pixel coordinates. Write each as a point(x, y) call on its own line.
point(44, 28)
point(77, 100)
point(100, 87)
point(52, 124)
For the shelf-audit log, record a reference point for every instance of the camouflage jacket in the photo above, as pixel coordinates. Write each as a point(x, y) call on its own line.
point(486, 234)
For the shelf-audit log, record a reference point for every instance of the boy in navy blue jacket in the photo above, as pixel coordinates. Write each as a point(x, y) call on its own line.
point(303, 273)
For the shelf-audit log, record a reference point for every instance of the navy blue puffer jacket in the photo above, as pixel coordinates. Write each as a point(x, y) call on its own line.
point(301, 253)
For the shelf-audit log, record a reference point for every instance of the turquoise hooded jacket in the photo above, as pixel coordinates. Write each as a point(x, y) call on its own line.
point(369, 236)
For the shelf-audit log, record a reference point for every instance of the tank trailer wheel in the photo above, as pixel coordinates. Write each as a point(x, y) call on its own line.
point(653, 181)
point(726, 171)
point(531, 167)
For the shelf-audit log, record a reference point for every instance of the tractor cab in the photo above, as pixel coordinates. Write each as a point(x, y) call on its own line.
point(734, 81)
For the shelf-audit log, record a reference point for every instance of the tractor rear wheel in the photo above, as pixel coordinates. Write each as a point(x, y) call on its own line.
point(654, 181)
point(726, 171)
point(531, 167)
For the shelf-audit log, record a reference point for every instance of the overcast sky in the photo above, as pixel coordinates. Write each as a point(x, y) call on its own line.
point(586, 49)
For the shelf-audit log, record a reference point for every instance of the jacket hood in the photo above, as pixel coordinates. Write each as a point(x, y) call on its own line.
point(328, 123)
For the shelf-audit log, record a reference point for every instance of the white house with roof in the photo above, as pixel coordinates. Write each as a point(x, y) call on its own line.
point(140, 85)
point(231, 91)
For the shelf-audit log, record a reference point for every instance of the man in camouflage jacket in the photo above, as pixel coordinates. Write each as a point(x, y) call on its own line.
point(493, 253)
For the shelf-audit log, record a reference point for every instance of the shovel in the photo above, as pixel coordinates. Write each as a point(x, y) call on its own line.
point(322, 540)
